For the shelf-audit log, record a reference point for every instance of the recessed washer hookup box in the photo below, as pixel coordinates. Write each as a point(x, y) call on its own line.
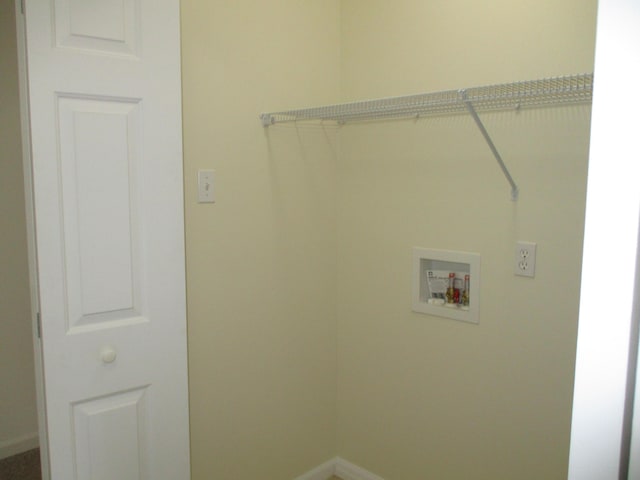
point(446, 284)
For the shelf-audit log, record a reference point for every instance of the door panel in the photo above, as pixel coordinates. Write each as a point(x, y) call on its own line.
point(115, 416)
point(102, 25)
point(104, 94)
point(99, 152)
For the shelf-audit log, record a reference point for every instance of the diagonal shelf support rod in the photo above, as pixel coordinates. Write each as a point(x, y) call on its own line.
point(494, 150)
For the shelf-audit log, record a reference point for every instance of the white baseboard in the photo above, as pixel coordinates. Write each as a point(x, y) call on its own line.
point(349, 471)
point(340, 467)
point(321, 472)
point(18, 445)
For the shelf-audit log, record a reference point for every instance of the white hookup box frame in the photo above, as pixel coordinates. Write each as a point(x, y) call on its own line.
point(432, 267)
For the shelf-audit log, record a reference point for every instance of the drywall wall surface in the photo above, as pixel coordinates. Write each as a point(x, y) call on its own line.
point(415, 46)
point(18, 420)
point(261, 259)
point(421, 396)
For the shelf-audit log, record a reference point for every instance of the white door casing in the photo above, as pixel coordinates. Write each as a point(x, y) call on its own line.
point(105, 115)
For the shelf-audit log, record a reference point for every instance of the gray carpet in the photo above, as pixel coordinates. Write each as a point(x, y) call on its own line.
point(25, 466)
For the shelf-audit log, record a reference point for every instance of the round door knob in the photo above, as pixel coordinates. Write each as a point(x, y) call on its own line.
point(108, 354)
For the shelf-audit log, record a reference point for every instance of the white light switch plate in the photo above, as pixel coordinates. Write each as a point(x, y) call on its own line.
point(205, 186)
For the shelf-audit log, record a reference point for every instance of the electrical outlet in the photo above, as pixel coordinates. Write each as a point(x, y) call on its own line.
point(525, 259)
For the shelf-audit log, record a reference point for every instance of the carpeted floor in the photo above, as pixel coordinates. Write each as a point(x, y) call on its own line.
point(25, 466)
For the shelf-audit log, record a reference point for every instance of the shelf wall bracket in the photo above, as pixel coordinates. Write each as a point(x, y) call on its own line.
point(494, 150)
point(267, 119)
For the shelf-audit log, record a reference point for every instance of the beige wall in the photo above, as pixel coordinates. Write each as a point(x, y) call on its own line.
point(421, 396)
point(261, 260)
point(18, 419)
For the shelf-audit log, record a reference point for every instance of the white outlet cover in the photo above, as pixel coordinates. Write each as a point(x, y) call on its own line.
point(525, 259)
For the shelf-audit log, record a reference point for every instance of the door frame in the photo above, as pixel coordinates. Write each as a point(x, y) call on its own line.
point(31, 236)
point(604, 377)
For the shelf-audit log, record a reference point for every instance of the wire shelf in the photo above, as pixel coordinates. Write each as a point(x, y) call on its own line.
point(570, 89)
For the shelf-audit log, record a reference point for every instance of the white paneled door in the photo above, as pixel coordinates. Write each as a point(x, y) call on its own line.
point(105, 114)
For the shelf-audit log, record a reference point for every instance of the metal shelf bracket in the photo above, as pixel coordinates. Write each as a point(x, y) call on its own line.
point(487, 137)
point(267, 119)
